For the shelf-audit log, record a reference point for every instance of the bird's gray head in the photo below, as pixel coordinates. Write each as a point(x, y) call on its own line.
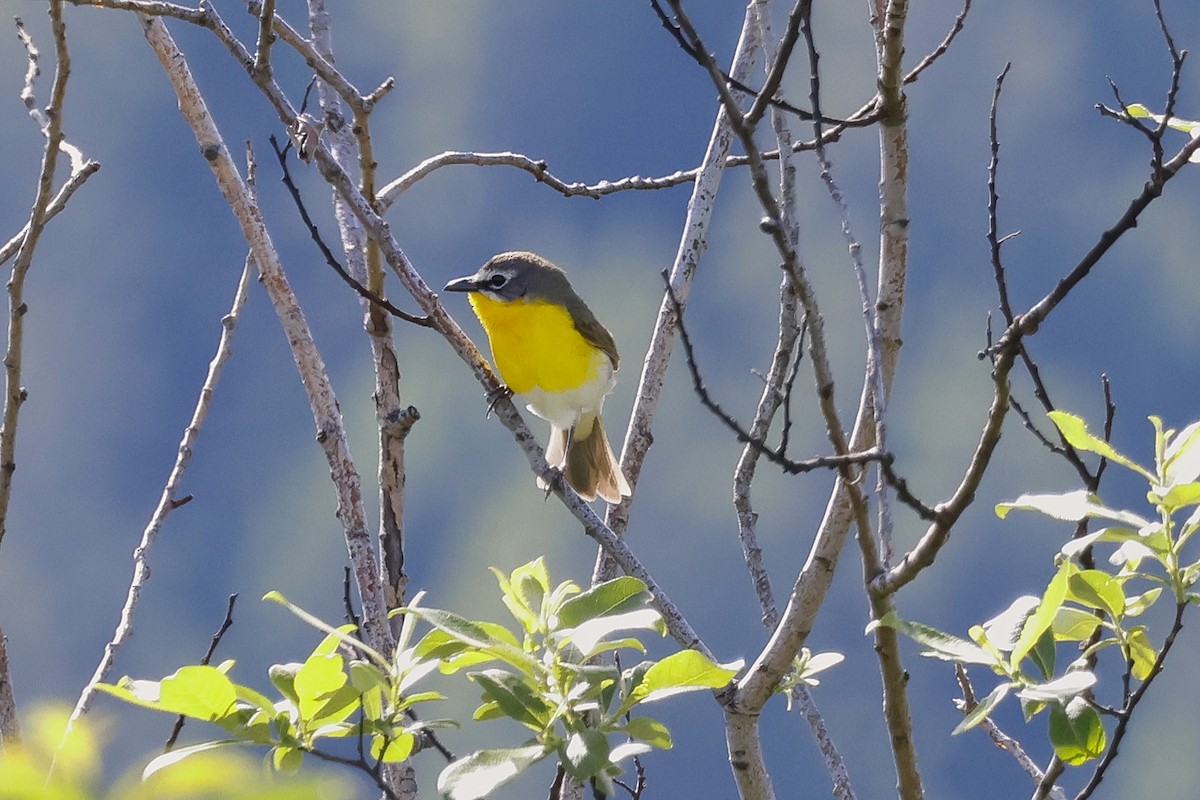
point(515, 276)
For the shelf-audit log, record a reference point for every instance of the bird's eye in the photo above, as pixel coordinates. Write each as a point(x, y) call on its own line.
point(497, 281)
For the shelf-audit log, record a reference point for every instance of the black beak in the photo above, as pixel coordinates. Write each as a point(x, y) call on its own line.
point(467, 284)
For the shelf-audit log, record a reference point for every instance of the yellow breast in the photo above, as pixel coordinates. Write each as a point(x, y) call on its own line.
point(535, 345)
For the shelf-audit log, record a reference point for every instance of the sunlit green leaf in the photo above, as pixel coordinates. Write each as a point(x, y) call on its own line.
point(628, 750)
point(1178, 496)
point(392, 750)
point(940, 644)
point(589, 633)
point(585, 753)
point(1043, 616)
point(1137, 605)
point(983, 708)
point(1074, 624)
point(684, 671)
point(484, 771)
point(649, 730)
point(1115, 533)
point(617, 596)
point(1188, 126)
point(1004, 629)
point(1071, 507)
point(1182, 456)
point(1141, 652)
point(1062, 689)
point(180, 753)
point(1076, 732)
point(322, 625)
point(286, 760)
point(319, 676)
point(481, 636)
point(198, 691)
point(1097, 589)
point(514, 696)
point(1044, 652)
point(1075, 431)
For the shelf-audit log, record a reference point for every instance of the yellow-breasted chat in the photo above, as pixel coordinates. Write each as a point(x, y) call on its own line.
point(549, 347)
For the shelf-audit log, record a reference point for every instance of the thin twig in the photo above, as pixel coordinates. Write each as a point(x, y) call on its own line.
point(939, 51)
point(330, 259)
point(168, 499)
point(51, 127)
point(226, 624)
point(774, 455)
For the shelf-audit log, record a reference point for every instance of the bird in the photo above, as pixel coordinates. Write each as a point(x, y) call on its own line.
point(549, 347)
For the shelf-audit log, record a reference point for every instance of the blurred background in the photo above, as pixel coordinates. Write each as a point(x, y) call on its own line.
point(129, 284)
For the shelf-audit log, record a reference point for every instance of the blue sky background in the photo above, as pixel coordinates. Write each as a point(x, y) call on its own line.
point(129, 285)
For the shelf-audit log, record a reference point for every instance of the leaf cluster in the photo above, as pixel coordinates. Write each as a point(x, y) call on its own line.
point(1095, 610)
point(546, 675)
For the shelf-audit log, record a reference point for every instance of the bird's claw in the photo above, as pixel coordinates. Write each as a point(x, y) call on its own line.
point(494, 396)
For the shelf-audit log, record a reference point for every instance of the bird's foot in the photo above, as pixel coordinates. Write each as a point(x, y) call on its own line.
point(495, 396)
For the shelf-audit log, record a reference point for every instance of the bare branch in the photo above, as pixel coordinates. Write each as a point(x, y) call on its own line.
point(928, 61)
point(170, 497)
point(331, 432)
point(330, 259)
point(10, 723)
point(262, 49)
point(51, 127)
point(538, 169)
point(692, 243)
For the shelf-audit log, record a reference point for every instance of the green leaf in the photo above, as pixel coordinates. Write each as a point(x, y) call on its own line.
point(1043, 616)
point(1185, 125)
point(1137, 605)
point(1044, 652)
point(940, 644)
point(484, 771)
point(1115, 533)
point(319, 676)
point(983, 708)
point(286, 760)
point(590, 633)
point(1060, 690)
point(198, 691)
point(1075, 431)
point(617, 596)
point(1004, 629)
point(483, 637)
point(817, 663)
point(514, 696)
point(322, 625)
point(650, 731)
point(365, 676)
point(1181, 460)
point(180, 753)
point(1096, 589)
point(1071, 507)
point(392, 750)
point(284, 678)
point(1176, 497)
point(684, 671)
point(585, 753)
point(1074, 624)
point(1076, 732)
point(1141, 653)
point(627, 750)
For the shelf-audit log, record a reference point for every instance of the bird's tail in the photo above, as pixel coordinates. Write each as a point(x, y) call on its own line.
point(590, 466)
